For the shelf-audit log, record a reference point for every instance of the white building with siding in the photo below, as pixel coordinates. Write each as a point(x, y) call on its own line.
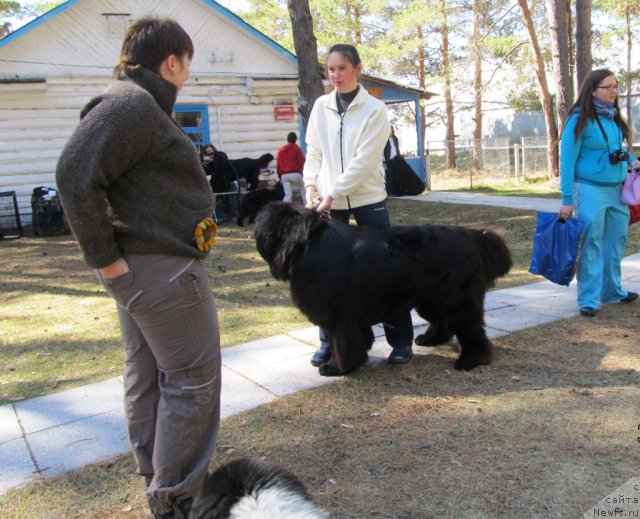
point(52, 66)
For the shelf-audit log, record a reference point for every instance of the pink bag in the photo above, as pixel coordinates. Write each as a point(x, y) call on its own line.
point(630, 192)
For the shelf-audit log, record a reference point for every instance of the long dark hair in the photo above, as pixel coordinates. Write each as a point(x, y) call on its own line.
point(584, 104)
point(149, 41)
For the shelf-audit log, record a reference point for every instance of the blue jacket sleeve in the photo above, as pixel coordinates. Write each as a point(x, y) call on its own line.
point(569, 150)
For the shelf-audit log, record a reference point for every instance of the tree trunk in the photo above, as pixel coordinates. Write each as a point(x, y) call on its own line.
point(422, 81)
point(583, 41)
point(306, 46)
point(451, 145)
point(628, 79)
point(545, 97)
point(560, 57)
point(477, 84)
point(571, 52)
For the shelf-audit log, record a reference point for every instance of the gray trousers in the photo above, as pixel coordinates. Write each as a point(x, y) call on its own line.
point(171, 337)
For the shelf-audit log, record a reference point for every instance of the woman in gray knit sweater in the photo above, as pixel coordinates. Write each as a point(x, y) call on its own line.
point(139, 204)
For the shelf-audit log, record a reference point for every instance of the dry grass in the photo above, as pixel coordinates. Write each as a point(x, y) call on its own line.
point(536, 184)
point(59, 328)
point(546, 431)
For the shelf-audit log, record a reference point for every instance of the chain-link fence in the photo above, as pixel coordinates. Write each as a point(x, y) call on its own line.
point(534, 157)
point(465, 163)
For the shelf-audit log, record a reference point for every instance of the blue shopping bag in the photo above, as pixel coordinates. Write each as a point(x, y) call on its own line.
point(556, 248)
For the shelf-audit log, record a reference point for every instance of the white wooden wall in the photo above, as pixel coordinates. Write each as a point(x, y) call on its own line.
point(37, 119)
point(236, 73)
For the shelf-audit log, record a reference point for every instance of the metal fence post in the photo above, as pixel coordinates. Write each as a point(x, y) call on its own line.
point(516, 160)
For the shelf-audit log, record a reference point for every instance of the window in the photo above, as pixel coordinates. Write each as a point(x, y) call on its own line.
point(194, 120)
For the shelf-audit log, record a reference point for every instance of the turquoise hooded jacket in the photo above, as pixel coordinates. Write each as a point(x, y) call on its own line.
point(587, 159)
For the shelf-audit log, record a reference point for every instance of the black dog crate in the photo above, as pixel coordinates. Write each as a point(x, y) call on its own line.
point(10, 226)
point(47, 215)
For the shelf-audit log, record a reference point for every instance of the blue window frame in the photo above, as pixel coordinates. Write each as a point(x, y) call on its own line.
point(194, 120)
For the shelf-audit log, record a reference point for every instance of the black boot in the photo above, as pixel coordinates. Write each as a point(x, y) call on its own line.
point(400, 355)
point(321, 356)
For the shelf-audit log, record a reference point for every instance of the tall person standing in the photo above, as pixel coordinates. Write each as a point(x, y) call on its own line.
point(346, 136)
point(593, 163)
point(138, 203)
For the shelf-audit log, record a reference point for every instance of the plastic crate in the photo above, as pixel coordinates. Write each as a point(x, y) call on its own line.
point(47, 215)
point(10, 226)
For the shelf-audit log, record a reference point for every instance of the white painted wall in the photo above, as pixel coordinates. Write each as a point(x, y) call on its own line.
point(69, 59)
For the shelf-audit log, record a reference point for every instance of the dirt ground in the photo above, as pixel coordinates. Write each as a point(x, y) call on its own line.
point(546, 431)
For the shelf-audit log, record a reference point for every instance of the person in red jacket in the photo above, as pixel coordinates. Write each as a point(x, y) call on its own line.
point(290, 162)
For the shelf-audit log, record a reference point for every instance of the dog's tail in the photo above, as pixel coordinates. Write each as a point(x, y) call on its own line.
point(496, 257)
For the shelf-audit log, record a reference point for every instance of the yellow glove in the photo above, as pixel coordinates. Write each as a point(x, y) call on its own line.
point(205, 234)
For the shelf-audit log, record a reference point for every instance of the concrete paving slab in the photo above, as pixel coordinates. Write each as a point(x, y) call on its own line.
point(511, 319)
point(308, 335)
point(240, 394)
point(74, 445)
point(517, 202)
point(10, 429)
point(68, 406)
point(287, 376)
point(378, 330)
point(266, 352)
point(417, 320)
point(494, 333)
point(279, 364)
point(16, 466)
point(631, 261)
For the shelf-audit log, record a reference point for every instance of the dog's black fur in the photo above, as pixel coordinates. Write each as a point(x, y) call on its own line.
point(224, 171)
point(253, 201)
point(224, 488)
point(346, 278)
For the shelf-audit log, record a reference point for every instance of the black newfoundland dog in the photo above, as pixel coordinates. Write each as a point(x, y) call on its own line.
point(346, 279)
point(224, 171)
point(253, 201)
point(252, 489)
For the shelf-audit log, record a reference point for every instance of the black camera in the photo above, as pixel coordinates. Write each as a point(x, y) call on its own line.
point(618, 156)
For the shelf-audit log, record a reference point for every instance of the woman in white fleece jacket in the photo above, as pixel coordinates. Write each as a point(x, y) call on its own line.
point(346, 135)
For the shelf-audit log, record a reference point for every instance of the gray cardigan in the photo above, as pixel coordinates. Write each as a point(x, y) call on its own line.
point(129, 178)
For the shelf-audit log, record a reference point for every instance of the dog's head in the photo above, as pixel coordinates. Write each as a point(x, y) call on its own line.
point(264, 160)
point(280, 230)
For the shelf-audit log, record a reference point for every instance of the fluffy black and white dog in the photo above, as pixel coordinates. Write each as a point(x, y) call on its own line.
point(346, 278)
point(224, 171)
point(253, 201)
point(251, 489)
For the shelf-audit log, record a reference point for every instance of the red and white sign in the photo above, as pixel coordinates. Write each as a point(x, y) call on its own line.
point(283, 112)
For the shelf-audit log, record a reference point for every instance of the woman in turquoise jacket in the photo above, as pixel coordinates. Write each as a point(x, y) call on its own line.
point(593, 163)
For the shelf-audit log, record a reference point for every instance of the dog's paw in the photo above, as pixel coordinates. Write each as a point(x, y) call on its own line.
point(329, 370)
point(433, 337)
point(468, 363)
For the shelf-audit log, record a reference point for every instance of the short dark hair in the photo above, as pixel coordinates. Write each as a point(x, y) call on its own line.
point(292, 137)
point(149, 41)
point(347, 51)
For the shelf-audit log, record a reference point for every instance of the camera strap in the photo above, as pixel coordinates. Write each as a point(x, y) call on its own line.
point(604, 134)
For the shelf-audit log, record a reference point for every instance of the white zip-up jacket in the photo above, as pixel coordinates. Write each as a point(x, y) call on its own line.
point(344, 153)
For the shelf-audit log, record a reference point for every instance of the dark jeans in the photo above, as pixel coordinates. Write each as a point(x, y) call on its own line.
point(398, 331)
